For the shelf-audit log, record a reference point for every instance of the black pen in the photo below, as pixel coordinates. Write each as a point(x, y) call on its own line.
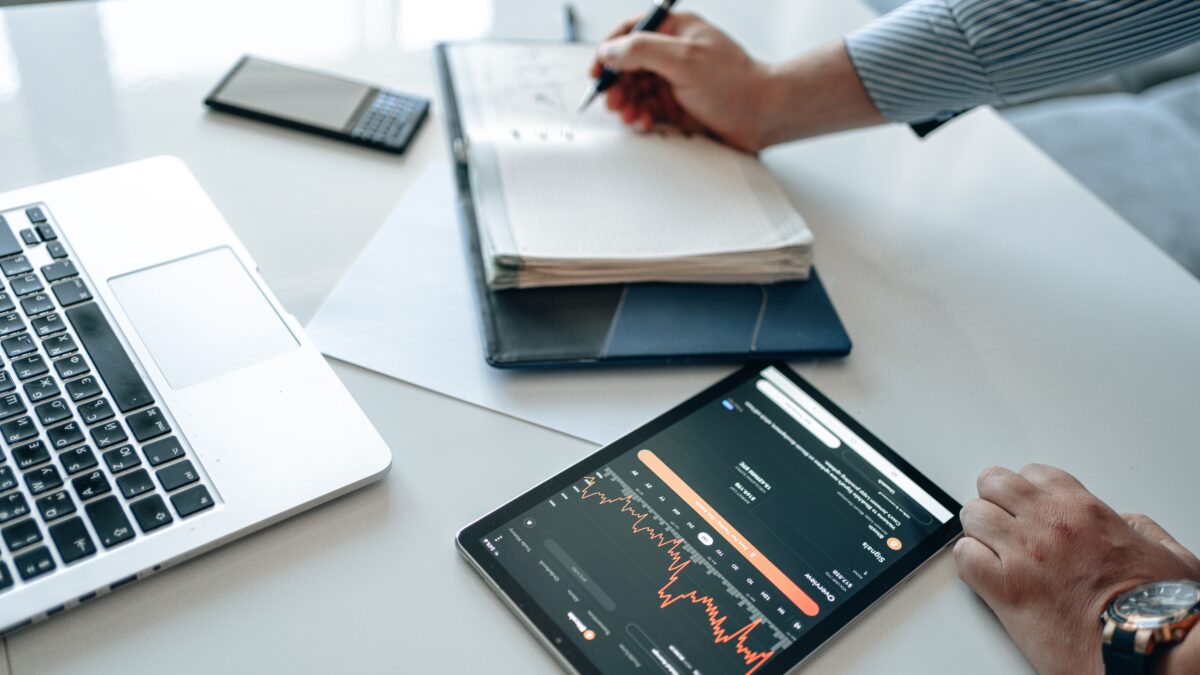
point(608, 76)
point(570, 32)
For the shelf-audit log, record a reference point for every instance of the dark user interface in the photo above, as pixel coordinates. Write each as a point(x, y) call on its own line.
point(714, 545)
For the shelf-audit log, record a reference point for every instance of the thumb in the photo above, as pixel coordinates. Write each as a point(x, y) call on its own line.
point(655, 52)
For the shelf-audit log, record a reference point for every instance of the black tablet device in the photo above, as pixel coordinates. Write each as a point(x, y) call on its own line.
point(734, 534)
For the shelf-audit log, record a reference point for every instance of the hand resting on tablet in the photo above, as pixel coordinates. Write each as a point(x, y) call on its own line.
point(1047, 556)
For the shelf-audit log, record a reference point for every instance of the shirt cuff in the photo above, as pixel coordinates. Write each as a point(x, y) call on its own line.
point(917, 65)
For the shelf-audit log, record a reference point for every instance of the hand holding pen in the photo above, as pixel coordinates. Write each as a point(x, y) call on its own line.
point(688, 74)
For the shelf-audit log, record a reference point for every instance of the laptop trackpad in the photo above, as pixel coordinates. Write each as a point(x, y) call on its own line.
point(202, 316)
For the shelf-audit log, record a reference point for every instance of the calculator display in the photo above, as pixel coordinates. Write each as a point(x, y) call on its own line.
point(293, 94)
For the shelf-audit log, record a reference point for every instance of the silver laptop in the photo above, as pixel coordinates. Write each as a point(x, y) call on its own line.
point(156, 400)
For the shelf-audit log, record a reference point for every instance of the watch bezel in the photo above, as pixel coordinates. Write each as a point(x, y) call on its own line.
point(1172, 620)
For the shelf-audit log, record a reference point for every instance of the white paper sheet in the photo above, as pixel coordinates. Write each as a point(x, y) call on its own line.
point(406, 309)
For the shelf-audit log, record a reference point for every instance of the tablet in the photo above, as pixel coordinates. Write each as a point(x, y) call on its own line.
point(734, 534)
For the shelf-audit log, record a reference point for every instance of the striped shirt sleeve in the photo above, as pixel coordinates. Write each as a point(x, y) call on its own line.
point(932, 59)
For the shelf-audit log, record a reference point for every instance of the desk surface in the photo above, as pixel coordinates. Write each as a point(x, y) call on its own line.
point(1000, 314)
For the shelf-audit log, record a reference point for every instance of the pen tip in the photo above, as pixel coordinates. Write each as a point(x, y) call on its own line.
point(588, 97)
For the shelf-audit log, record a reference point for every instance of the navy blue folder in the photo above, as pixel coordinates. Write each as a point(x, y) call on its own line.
point(649, 323)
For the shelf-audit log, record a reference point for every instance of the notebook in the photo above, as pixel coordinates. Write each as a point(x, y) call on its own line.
point(617, 324)
point(581, 199)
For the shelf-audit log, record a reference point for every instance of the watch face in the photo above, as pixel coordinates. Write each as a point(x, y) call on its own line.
point(1157, 603)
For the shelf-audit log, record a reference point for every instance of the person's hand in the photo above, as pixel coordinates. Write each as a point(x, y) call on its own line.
point(1047, 556)
point(688, 74)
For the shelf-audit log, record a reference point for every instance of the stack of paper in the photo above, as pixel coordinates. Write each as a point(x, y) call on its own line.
point(566, 198)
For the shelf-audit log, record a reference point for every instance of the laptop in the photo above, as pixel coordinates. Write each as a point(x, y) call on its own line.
point(156, 400)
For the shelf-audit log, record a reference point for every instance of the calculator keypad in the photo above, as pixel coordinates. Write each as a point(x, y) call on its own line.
point(390, 120)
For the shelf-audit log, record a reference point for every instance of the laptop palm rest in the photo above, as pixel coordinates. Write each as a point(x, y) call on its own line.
point(202, 316)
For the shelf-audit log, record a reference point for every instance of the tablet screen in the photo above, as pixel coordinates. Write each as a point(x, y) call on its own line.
point(733, 535)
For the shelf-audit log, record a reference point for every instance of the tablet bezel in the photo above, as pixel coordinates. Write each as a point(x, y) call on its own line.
point(559, 641)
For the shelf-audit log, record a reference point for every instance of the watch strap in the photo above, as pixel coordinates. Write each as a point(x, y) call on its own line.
point(1120, 656)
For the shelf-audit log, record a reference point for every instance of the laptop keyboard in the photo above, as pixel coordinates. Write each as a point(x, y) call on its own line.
point(91, 460)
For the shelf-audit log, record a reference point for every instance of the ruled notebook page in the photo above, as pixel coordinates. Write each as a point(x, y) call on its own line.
point(584, 187)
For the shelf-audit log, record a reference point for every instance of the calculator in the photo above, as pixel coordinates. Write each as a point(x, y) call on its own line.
point(319, 103)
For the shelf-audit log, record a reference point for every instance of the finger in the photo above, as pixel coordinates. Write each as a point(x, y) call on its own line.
point(617, 96)
point(1153, 531)
point(988, 523)
point(646, 121)
point(629, 113)
point(1051, 479)
point(654, 52)
point(1006, 489)
point(978, 566)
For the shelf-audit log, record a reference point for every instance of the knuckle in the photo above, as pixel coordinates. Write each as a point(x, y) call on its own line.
point(989, 474)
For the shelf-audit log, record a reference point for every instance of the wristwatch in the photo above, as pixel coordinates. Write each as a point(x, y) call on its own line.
point(1146, 618)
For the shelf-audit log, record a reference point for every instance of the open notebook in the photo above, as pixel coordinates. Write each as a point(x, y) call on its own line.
point(570, 199)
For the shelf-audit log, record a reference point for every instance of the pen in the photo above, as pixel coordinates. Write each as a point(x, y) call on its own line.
point(608, 76)
point(570, 31)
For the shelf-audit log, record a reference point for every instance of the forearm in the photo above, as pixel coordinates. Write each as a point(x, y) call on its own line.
point(817, 93)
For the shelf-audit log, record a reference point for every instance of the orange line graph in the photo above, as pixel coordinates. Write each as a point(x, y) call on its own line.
point(753, 659)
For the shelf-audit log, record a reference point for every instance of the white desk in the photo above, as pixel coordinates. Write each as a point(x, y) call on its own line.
point(1000, 315)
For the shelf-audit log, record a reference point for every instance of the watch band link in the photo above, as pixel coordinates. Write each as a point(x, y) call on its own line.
point(1121, 658)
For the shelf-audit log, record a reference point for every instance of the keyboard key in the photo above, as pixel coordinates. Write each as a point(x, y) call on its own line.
point(34, 563)
point(20, 429)
point(59, 270)
point(71, 366)
point(43, 480)
point(94, 412)
point(46, 233)
point(65, 435)
point(6, 302)
point(151, 513)
point(78, 459)
point(42, 389)
point(71, 292)
point(58, 345)
point(6, 383)
point(19, 535)
point(121, 459)
point(134, 484)
point(128, 390)
point(192, 500)
point(8, 243)
point(14, 266)
point(13, 506)
point(83, 388)
point(48, 325)
point(30, 237)
point(6, 579)
point(8, 478)
point(148, 424)
point(36, 304)
point(24, 285)
point(177, 475)
point(56, 250)
point(91, 485)
point(30, 366)
point(56, 505)
point(108, 434)
point(11, 323)
point(35, 214)
point(160, 452)
point(110, 522)
point(19, 345)
point(52, 412)
point(72, 540)
point(11, 404)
